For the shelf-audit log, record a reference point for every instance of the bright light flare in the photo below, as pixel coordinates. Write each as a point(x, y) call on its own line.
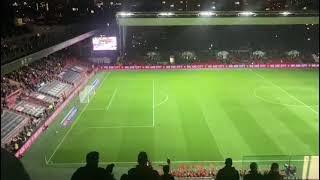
point(166, 14)
point(247, 13)
point(207, 13)
point(285, 13)
point(125, 14)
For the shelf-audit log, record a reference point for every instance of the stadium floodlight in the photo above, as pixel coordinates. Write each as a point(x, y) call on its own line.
point(285, 13)
point(206, 13)
point(125, 14)
point(166, 14)
point(247, 13)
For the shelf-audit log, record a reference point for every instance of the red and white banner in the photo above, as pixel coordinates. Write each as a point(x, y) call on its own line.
point(212, 66)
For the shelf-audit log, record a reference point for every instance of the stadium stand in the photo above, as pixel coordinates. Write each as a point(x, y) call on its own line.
point(9, 121)
point(55, 88)
point(28, 108)
point(70, 76)
point(34, 92)
point(21, 41)
point(42, 98)
point(78, 69)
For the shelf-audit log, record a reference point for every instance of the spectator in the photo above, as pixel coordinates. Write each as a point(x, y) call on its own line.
point(91, 171)
point(274, 173)
point(166, 175)
point(109, 170)
point(143, 171)
point(228, 172)
point(253, 173)
point(124, 177)
point(11, 167)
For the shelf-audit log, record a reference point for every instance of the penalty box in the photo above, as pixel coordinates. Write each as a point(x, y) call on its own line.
point(129, 103)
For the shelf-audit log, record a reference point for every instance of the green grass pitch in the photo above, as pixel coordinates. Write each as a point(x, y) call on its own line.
point(187, 115)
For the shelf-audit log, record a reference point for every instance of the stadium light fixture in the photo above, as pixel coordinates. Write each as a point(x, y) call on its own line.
point(207, 13)
point(166, 14)
point(247, 13)
point(285, 13)
point(125, 14)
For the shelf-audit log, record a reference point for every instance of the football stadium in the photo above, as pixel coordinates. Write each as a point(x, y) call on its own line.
point(187, 94)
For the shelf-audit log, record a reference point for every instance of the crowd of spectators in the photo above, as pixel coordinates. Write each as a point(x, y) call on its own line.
point(38, 73)
point(200, 58)
point(30, 78)
point(6, 87)
point(17, 141)
point(192, 171)
point(145, 171)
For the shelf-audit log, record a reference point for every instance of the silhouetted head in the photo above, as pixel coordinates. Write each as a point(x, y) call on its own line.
point(92, 159)
point(254, 166)
point(166, 169)
point(11, 167)
point(142, 158)
point(275, 167)
point(124, 177)
point(228, 162)
point(109, 168)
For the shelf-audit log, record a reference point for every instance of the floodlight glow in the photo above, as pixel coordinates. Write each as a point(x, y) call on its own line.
point(285, 13)
point(125, 14)
point(207, 13)
point(166, 14)
point(246, 13)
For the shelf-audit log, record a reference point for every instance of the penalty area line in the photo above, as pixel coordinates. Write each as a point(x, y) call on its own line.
point(291, 96)
point(153, 103)
point(69, 130)
point(110, 102)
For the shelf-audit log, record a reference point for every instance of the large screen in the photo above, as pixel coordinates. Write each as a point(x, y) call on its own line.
point(104, 43)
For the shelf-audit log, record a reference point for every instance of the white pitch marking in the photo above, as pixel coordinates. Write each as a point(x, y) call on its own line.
point(117, 127)
point(293, 97)
point(271, 102)
point(165, 100)
point(110, 102)
point(75, 122)
point(152, 103)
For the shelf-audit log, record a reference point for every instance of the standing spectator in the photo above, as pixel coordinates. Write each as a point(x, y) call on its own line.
point(91, 171)
point(124, 177)
point(109, 170)
point(143, 171)
point(274, 173)
point(253, 173)
point(166, 175)
point(11, 167)
point(228, 172)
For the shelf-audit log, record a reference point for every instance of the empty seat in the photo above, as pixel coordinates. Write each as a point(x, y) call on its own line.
point(9, 120)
